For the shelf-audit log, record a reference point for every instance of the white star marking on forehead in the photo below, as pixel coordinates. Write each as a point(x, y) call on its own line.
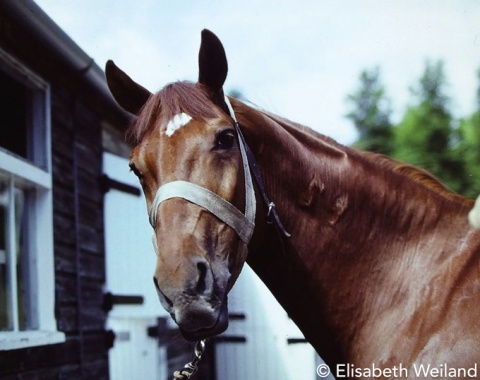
point(177, 122)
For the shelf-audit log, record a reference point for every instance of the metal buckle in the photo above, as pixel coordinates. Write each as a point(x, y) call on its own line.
point(271, 210)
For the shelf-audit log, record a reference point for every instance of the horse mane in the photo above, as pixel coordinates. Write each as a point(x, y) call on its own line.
point(417, 175)
point(411, 172)
point(171, 100)
point(192, 98)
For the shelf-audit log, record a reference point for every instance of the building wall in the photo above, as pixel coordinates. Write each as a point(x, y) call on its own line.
point(78, 232)
point(79, 251)
point(79, 112)
point(262, 341)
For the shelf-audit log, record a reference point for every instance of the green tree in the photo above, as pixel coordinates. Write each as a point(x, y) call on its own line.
point(468, 149)
point(370, 113)
point(426, 134)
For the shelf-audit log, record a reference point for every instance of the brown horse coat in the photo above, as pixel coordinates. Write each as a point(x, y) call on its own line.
point(381, 269)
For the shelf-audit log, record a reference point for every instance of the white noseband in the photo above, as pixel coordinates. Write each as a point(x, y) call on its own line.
point(243, 224)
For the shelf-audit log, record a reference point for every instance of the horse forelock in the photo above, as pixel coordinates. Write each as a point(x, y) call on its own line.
point(174, 99)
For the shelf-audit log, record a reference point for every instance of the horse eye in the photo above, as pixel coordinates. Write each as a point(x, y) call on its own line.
point(225, 140)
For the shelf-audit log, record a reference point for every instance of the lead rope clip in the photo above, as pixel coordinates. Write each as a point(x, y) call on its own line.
point(190, 368)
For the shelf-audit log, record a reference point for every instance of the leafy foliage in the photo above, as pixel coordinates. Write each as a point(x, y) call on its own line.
point(468, 148)
point(371, 114)
point(428, 135)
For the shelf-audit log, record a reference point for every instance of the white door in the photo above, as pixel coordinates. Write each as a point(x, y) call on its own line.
point(262, 342)
point(130, 262)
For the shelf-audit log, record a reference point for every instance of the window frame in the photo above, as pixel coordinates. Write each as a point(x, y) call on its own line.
point(35, 175)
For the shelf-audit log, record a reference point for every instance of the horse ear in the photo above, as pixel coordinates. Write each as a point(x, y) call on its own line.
point(212, 63)
point(129, 95)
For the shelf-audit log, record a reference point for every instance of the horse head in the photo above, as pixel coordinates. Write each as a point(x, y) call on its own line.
point(186, 142)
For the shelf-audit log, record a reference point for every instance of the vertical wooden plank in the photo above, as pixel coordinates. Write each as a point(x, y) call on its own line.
point(134, 355)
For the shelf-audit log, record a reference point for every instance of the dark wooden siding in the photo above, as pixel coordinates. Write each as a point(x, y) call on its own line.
point(78, 232)
point(79, 111)
point(79, 252)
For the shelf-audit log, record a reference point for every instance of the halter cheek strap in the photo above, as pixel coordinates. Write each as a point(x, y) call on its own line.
point(242, 223)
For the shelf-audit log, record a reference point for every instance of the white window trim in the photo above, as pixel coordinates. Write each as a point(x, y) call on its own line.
point(41, 262)
point(15, 340)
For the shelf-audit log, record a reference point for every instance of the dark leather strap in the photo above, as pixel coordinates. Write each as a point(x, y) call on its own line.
point(272, 215)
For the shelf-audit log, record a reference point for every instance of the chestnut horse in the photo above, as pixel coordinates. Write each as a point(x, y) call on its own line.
point(381, 267)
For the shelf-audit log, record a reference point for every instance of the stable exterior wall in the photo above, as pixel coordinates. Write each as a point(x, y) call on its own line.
point(140, 327)
point(78, 249)
point(79, 112)
point(261, 341)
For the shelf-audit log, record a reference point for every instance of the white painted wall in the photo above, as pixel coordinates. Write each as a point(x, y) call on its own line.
point(130, 256)
point(266, 327)
point(130, 262)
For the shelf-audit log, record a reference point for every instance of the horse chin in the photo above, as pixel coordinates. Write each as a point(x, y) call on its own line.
point(219, 327)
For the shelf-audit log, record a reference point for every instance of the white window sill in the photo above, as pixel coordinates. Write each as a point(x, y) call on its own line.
point(23, 339)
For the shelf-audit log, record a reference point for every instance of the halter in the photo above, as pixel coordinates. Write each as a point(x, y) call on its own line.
point(242, 223)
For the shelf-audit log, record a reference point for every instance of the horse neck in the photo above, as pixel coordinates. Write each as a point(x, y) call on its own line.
point(352, 223)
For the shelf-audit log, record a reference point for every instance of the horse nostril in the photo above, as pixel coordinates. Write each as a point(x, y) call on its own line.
point(202, 274)
point(156, 283)
point(169, 302)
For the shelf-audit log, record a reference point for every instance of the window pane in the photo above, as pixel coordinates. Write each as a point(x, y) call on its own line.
point(3, 256)
point(12, 253)
point(3, 299)
point(14, 110)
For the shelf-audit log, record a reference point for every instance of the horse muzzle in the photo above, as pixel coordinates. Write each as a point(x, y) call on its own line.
point(200, 320)
point(200, 307)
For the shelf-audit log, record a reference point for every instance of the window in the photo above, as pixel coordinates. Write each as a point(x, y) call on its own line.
point(26, 222)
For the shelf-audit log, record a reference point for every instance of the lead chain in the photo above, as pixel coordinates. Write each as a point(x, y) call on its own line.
point(190, 368)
